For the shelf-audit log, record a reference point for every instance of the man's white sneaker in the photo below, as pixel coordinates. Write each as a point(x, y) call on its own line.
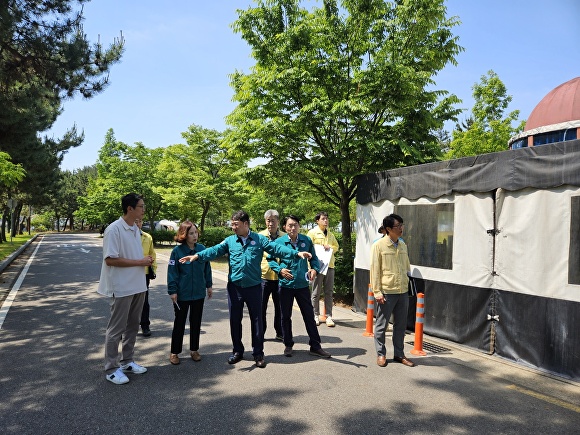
point(117, 377)
point(329, 322)
point(133, 367)
point(317, 320)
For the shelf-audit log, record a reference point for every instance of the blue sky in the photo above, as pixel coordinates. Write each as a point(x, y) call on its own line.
point(179, 54)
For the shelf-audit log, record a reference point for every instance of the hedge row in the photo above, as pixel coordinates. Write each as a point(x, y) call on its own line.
point(209, 237)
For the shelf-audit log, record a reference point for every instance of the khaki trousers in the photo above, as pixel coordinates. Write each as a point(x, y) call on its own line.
point(123, 327)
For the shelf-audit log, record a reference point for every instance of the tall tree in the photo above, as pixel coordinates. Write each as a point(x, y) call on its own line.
point(488, 129)
point(204, 174)
point(45, 58)
point(10, 175)
point(122, 169)
point(342, 89)
point(71, 187)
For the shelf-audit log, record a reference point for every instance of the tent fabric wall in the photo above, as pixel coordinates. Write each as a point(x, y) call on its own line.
point(534, 241)
point(470, 266)
point(447, 308)
point(539, 332)
point(511, 244)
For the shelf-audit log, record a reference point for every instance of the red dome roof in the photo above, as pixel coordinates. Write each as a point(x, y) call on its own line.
point(562, 104)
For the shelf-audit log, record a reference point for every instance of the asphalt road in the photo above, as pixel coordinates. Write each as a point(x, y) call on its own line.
point(52, 379)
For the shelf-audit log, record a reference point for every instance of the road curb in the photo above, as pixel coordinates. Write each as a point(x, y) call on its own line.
point(5, 263)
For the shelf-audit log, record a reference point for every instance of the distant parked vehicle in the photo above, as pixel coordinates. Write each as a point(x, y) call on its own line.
point(166, 225)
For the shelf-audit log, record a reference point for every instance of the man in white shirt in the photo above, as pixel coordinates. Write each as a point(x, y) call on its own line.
point(123, 281)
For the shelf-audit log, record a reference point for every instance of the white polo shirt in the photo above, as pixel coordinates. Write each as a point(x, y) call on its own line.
point(122, 241)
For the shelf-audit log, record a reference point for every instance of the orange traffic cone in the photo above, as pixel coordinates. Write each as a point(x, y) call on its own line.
point(370, 313)
point(419, 320)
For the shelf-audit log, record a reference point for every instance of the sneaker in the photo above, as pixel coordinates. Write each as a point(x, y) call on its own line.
point(288, 351)
point(317, 320)
point(174, 359)
point(195, 355)
point(319, 352)
point(117, 377)
point(146, 332)
point(133, 367)
point(329, 322)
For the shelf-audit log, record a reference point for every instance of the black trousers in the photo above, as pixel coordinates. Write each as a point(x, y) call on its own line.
point(302, 296)
point(270, 287)
point(195, 309)
point(145, 313)
point(252, 297)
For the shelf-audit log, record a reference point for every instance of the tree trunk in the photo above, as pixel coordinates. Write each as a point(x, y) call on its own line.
point(205, 210)
point(15, 220)
point(3, 229)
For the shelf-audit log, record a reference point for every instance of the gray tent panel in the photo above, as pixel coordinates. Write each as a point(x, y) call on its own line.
point(539, 167)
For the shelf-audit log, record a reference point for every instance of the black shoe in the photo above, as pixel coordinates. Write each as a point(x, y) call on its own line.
point(288, 351)
point(235, 357)
point(319, 352)
point(146, 332)
point(261, 363)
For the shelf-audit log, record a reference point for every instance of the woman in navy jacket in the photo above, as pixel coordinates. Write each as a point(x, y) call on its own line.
point(187, 285)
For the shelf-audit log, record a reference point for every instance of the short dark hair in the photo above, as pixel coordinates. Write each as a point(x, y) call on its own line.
point(130, 200)
point(389, 220)
point(290, 216)
point(319, 215)
point(241, 216)
point(181, 236)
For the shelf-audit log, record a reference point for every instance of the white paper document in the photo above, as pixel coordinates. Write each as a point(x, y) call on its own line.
point(323, 257)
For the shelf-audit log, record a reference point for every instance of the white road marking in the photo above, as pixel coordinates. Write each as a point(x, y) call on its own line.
point(12, 295)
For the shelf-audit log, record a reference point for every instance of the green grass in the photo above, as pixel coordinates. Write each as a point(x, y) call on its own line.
point(7, 248)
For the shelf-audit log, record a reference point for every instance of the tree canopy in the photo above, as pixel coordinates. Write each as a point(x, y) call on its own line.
point(342, 89)
point(488, 129)
point(121, 169)
point(45, 58)
point(204, 175)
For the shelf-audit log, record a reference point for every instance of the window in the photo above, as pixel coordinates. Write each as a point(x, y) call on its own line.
point(555, 136)
point(574, 255)
point(520, 143)
point(428, 233)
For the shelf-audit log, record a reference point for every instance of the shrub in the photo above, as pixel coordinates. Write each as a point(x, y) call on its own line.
point(213, 235)
point(162, 236)
point(344, 268)
point(42, 222)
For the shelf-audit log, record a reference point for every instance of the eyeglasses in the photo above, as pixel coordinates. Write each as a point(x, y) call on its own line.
point(141, 206)
point(399, 226)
